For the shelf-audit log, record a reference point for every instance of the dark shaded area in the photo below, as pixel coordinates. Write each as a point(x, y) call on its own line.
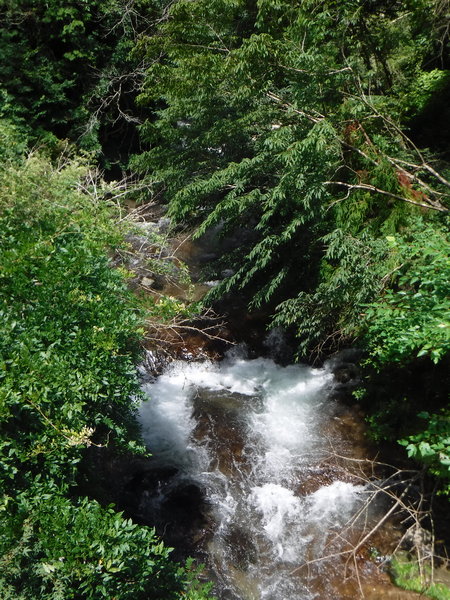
point(151, 495)
point(431, 127)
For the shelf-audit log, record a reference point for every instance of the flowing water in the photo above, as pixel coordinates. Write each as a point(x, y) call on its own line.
point(260, 441)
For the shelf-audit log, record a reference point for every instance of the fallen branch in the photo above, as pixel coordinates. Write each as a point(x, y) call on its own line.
point(395, 487)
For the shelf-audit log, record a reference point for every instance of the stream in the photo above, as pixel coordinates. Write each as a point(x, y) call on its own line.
point(265, 448)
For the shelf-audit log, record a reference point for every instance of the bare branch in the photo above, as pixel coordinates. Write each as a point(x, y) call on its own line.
point(288, 105)
point(396, 487)
point(407, 140)
point(372, 188)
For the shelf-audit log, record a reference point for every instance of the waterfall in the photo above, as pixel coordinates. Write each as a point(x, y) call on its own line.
point(256, 438)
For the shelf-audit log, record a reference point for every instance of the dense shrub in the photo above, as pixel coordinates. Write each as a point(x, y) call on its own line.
point(68, 346)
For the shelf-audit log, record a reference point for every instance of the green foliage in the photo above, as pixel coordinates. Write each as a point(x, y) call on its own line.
point(68, 348)
point(66, 70)
point(412, 318)
point(262, 108)
point(81, 550)
point(219, 148)
point(432, 445)
point(407, 325)
point(350, 276)
point(409, 576)
point(12, 144)
point(167, 308)
point(423, 89)
point(67, 323)
point(282, 123)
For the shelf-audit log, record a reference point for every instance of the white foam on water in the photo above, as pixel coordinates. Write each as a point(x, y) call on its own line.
point(280, 510)
point(335, 501)
point(166, 417)
point(291, 396)
point(288, 426)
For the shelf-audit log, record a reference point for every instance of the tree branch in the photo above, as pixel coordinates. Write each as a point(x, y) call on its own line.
point(371, 188)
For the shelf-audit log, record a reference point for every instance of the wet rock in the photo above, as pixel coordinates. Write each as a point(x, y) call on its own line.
point(185, 503)
point(344, 365)
point(242, 549)
point(388, 591)
point(347, 424)
point(229, 594)
point(139, 243)
point(227, 273)
point(144, 481)
point(152, 365)
point(418, 541)
point(348, 355)
point(224, 401)
point(150, 479)
point(220, 417)
point(161, 497)
point(183, 517)
point(163, 224)
point(278, 346)
point(346, 373)
point(314, 478)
